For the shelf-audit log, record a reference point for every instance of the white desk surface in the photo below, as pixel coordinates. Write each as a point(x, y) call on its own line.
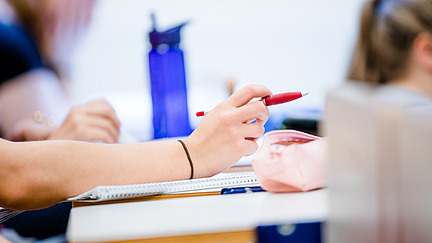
point(194, 215)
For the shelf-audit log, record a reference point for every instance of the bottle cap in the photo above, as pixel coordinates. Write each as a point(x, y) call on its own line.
point(170, 37)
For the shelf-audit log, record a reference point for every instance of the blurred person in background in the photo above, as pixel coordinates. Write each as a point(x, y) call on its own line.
point(394, 52)
point(36, 38)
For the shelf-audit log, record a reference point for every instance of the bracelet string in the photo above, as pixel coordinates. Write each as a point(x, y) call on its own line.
point(189, 158)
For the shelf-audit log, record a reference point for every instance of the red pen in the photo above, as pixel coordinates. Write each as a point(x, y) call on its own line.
point(272, 100)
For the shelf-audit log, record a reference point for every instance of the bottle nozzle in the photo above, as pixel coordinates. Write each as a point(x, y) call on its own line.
point(153, 20)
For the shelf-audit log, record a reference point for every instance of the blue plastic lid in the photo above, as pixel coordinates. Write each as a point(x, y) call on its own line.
point(169, 37)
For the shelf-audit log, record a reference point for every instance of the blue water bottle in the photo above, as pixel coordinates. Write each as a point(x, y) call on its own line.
point(168, 83)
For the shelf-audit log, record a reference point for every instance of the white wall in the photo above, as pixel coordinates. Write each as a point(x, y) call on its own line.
point(288, 45)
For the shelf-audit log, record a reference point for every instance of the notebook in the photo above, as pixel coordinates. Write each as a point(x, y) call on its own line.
point(217, 182)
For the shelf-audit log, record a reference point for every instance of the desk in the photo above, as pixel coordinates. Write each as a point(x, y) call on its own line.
point(235, 215)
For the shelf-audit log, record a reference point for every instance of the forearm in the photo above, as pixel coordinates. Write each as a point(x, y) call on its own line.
point(39, 174)
point(49, 172)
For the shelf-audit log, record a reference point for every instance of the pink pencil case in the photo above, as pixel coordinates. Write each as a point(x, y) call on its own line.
point(291, 161)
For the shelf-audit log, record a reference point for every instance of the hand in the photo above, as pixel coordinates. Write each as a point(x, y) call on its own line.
point(92, 122)
point(28, 129)
point(226, 134)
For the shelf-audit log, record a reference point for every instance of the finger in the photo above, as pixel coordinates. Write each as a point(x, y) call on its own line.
point(102, 108)
point(247, 93)
point(255, 110)
point(251, 146)
point(252, 130)
point(99, 135)
point(103, 124)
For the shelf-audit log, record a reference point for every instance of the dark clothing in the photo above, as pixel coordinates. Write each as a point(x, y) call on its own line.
point(41, 223)
point(18, 52)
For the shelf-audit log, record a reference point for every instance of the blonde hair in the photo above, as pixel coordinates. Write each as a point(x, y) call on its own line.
point(388, 29)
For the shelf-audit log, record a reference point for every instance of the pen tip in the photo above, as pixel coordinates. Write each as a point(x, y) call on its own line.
point(305, 93)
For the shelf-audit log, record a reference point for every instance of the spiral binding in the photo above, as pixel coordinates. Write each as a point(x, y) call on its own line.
point(128, 191)
point(6, 214)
